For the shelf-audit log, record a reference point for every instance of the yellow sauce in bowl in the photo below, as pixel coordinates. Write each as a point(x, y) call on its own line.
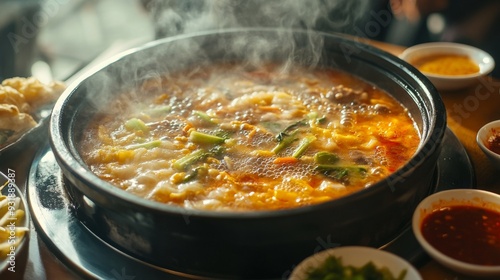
point(446, 64)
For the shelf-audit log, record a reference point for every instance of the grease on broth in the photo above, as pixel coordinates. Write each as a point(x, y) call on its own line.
point(226, 137)
point(446, 64)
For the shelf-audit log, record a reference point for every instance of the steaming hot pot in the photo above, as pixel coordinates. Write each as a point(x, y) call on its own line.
point(263, 244)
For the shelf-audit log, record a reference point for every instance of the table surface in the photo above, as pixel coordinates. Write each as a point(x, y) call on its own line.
point(467, 111)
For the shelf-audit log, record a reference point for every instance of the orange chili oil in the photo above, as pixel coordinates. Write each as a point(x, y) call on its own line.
point(467, 233)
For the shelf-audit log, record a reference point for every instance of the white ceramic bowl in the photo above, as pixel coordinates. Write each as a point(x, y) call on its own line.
point(468, 197)
point(444, 82)
point(357, 256)
point(482, 136)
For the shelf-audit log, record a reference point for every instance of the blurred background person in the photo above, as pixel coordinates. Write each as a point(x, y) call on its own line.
point(18, 47)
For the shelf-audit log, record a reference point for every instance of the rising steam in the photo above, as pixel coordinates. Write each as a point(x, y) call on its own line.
point(174, 17)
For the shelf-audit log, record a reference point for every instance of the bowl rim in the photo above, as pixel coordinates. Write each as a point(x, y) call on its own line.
point(440, 47)
point(482, 136)
point(434, 134)
point(450, 196)
point(364, 254)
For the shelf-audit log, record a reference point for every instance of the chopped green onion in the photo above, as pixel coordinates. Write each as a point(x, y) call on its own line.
point(312, 115)
point(194, 174)
point(204, 116)
point(285, 142)
point(136, 124)
point(187, 160)
point(147, 145)
point(326, 158)
point(223, 134)
point(342, 172)
point(217, 151)
point(203, 138)
point(289, 129)
point(303, 146)
point(333, 268)
point(321, 120)
point(315, 117)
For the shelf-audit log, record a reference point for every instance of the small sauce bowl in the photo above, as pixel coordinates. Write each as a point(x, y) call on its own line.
point(357, 256)
point(483, 60)
point(447, 225)
point(484, 133)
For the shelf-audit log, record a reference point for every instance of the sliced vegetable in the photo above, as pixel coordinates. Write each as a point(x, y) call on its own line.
point(284, 142)
point(342, 172)
point(204, 116)
point(184, 162)
point(217, 151)
point(312, 115)
point(285, 160)
point(223, 134)
point(326, 158)
point(124, 155)
point(147, 145)
point(289, 129)
point(262, 153)
point(203, 138)
point(136, 124)
point(321, 120)
point(303, 146)
point(333, 268)
point(194, 174)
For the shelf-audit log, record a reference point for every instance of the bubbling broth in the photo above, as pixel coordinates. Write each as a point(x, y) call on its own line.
point(229, 137)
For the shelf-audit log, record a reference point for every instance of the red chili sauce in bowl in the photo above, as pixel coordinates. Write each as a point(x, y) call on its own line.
point(493, 142)
point(467, 233)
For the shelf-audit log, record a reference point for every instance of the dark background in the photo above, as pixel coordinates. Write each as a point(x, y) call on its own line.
point(52, 39)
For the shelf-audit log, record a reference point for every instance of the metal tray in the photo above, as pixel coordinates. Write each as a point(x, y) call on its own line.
point(90, 257)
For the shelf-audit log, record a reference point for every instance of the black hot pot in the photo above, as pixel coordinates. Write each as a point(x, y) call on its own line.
point(252, 244)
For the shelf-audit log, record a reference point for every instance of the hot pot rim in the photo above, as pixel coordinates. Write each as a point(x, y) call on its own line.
point(66, 159)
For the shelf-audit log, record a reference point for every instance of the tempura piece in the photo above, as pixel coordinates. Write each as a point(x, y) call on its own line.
point(20, 98)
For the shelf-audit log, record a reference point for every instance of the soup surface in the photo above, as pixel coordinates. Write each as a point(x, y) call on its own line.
point(228, 137)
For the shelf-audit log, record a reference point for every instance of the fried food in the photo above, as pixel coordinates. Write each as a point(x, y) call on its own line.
point(20, 98)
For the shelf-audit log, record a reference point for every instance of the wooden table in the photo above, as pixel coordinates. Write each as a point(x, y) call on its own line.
point(467, 111)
